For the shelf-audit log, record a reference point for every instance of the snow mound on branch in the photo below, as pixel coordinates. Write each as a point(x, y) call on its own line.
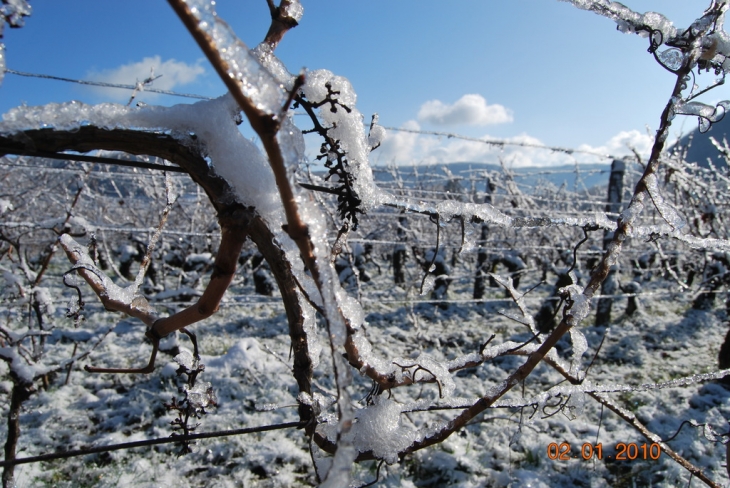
point(207, 124)
point(379, 429)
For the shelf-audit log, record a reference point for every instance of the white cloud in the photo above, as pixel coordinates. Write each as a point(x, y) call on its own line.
point(623, 143)
point(471, 109)
point(399, 146)
point(174, 74)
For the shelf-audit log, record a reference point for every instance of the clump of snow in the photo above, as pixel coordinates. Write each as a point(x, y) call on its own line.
point(44, 300)
point(346, 126)
point(717, 45)
point(13, 12)
point(581, 305)
point(367, 355)
point(246, 356)
point(429, 282)
point(380, 430)
point(185, 359)
point(377, 132)
point(201, 395)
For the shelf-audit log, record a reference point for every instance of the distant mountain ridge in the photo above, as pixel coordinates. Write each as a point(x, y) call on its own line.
point(699, 146)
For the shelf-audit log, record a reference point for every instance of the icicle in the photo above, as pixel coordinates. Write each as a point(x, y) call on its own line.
point(580, 346)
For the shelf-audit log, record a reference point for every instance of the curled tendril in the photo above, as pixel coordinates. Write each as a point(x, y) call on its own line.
point(705, 123)
point(75, 314)
point(656, 39)
point(708, 432)
point(702, 112)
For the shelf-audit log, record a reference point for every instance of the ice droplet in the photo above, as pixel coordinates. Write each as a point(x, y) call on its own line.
point(671, 58)
point(704, 125)
point(201, 395)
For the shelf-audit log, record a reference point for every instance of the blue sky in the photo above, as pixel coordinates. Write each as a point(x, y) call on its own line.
point(524, 70)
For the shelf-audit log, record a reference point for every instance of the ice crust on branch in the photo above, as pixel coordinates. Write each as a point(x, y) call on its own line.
point(257, 83)
point(715, 47)
point(627, 20)
point(293, 9)
point(707, 114)
point(114, 297)
point(265, 55)
point(12, 12)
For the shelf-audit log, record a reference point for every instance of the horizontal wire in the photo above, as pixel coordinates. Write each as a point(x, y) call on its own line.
point(236, 299)
point(503, 142)
point(105, 84)
point(497, 195)
point(149, 442)
point(420, 244)
point(92, 227)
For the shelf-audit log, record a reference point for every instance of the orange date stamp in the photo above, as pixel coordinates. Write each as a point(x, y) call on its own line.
point(622, 451)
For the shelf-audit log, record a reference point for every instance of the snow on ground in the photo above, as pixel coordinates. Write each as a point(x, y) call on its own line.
point(246, 354)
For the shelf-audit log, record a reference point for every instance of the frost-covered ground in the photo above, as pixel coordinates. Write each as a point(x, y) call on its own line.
point(245, 349)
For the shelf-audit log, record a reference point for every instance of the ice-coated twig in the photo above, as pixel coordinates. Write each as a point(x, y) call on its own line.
point(518, 298)
point(628, 20)
point(171, 198)
point(284, 17)
point(712, 52)
point(113, 297)
point(581, 386)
